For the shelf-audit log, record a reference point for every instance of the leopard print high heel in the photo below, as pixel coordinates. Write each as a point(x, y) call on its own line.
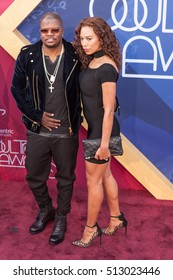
point(122, 224)
point(82, 244)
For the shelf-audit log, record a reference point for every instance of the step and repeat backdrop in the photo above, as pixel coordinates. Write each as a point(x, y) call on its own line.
point(145, 88)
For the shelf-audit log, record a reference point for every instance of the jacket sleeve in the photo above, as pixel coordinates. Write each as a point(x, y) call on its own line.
point(22, 91)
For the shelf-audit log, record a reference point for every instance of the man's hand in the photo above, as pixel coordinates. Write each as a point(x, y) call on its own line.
point(49, 122)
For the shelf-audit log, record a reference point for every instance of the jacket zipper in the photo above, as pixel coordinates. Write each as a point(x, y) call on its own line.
point(38, 99)
point(33, 122)
point(33, 88)
point(27, 84)
point(68, 111)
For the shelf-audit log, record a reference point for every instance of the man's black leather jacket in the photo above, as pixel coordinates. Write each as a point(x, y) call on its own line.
point(29, 91)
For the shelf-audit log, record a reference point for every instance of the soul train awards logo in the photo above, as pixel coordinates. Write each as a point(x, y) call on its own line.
point(147, 28)
point(13, 154)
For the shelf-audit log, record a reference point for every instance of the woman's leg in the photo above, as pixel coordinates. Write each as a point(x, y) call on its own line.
point(111, 189)
point(94, 176)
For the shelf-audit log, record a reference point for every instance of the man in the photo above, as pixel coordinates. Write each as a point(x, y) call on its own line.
point(45, 87)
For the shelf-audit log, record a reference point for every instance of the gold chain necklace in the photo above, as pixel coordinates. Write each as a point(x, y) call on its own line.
point(51, 77)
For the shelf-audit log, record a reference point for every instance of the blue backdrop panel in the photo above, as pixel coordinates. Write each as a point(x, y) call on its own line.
point(145, 31)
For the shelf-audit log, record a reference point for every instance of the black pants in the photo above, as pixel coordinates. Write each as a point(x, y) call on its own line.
point(40, 151)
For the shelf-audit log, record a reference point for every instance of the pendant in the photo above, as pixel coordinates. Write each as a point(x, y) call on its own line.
point(52, 78)
point(51, 88)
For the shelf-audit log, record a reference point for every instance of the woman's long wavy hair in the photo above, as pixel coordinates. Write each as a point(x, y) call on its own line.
point(109, 43)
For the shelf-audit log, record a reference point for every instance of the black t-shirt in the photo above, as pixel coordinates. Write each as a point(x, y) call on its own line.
point(55, 101)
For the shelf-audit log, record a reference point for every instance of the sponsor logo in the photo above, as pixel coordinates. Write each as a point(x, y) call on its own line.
point(6, 132)
point(2, 112)
point(53, 4)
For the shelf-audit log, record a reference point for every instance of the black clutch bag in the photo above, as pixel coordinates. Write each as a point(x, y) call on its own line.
point(92, 145)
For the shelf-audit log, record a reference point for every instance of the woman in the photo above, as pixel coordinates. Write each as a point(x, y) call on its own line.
point(99, 52)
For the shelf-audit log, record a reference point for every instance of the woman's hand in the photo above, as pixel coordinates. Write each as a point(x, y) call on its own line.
point(102, 153)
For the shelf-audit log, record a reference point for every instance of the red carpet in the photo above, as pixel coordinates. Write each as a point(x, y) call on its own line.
point(149, 236)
